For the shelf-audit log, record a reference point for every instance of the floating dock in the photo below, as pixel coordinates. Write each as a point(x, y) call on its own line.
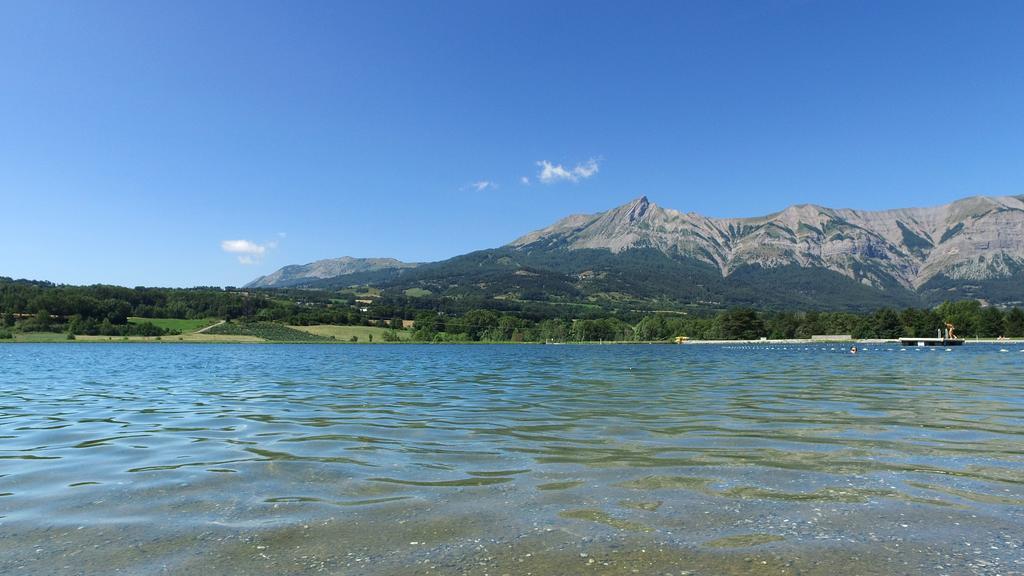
point(931, 341)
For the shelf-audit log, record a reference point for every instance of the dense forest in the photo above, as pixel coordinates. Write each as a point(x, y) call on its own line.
point(733, 324)
point(32, 306)
point(551, 277)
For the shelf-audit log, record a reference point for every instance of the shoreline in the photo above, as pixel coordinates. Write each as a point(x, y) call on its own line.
point(196, 338)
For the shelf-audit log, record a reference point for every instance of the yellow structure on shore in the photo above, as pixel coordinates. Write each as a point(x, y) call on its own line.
point(681, 339)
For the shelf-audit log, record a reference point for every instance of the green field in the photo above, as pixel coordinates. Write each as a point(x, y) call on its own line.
point(195, 338)
point(345, 333)
point(270, 331)
point(38, 337)
point(183, 326)
point(362, 291)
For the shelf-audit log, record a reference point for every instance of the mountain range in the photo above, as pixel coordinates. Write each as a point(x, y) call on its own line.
point(299, 274)
point(805, 256)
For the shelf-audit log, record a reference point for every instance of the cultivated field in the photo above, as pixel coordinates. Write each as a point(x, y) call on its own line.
point(345, 333)
point(178, 324)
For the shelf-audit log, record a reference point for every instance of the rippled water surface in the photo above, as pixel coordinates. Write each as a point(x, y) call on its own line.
point(303, 459)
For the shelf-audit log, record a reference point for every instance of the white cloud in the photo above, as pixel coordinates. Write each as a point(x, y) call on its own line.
point(525, 180)
point(586, 170)
point(481, 185)
point(248, 252)
point(242, 247)
point(551, 173)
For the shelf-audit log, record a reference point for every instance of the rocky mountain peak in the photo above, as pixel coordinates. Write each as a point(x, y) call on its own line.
point(973, 238)
point(637, 208)
point(632, 213)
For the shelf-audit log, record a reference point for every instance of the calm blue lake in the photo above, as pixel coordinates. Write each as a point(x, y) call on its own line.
point(404, 459)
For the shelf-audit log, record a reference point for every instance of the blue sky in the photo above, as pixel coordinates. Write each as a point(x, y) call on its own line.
point(140, 142)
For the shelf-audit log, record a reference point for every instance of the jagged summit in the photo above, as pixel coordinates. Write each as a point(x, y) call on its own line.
point(975, 238)
point(637, 208)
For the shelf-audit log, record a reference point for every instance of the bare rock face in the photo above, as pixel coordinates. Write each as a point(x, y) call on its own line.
point(971, 239)
point(330, 268)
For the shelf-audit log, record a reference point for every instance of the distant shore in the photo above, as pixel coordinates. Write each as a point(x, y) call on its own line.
point(807, 342)
point(205, 338)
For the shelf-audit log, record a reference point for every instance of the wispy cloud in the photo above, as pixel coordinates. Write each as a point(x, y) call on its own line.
point(551, 173)
point(524, 180)
point(481, 185)
point(248, 252)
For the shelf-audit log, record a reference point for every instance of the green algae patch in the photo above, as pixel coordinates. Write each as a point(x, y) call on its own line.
point(743, 540)
point(601, 517)
point(850, 496)
point(841, 495)
point(967, 495)
point(666, 483)
point(641, 505)
point(560, 485)
point(443, 483)
point(486, 473)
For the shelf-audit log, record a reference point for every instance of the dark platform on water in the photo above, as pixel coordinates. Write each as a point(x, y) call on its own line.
point(931, 341)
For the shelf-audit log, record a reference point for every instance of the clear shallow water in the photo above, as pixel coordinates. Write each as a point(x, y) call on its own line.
point(303, 459)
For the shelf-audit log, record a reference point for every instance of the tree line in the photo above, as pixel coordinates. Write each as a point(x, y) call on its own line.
point(969, 317)
point(36, 306)
point(100, 309)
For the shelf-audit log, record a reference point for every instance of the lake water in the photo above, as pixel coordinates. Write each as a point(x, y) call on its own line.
point(309, 459)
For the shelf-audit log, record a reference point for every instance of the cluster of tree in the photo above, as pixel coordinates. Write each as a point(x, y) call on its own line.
point(34, 306)
point(43, 321)
point(969, 317)
point(117, 303)
point(304, 314)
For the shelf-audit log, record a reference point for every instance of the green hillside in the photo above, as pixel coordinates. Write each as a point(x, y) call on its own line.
point(644, 278)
